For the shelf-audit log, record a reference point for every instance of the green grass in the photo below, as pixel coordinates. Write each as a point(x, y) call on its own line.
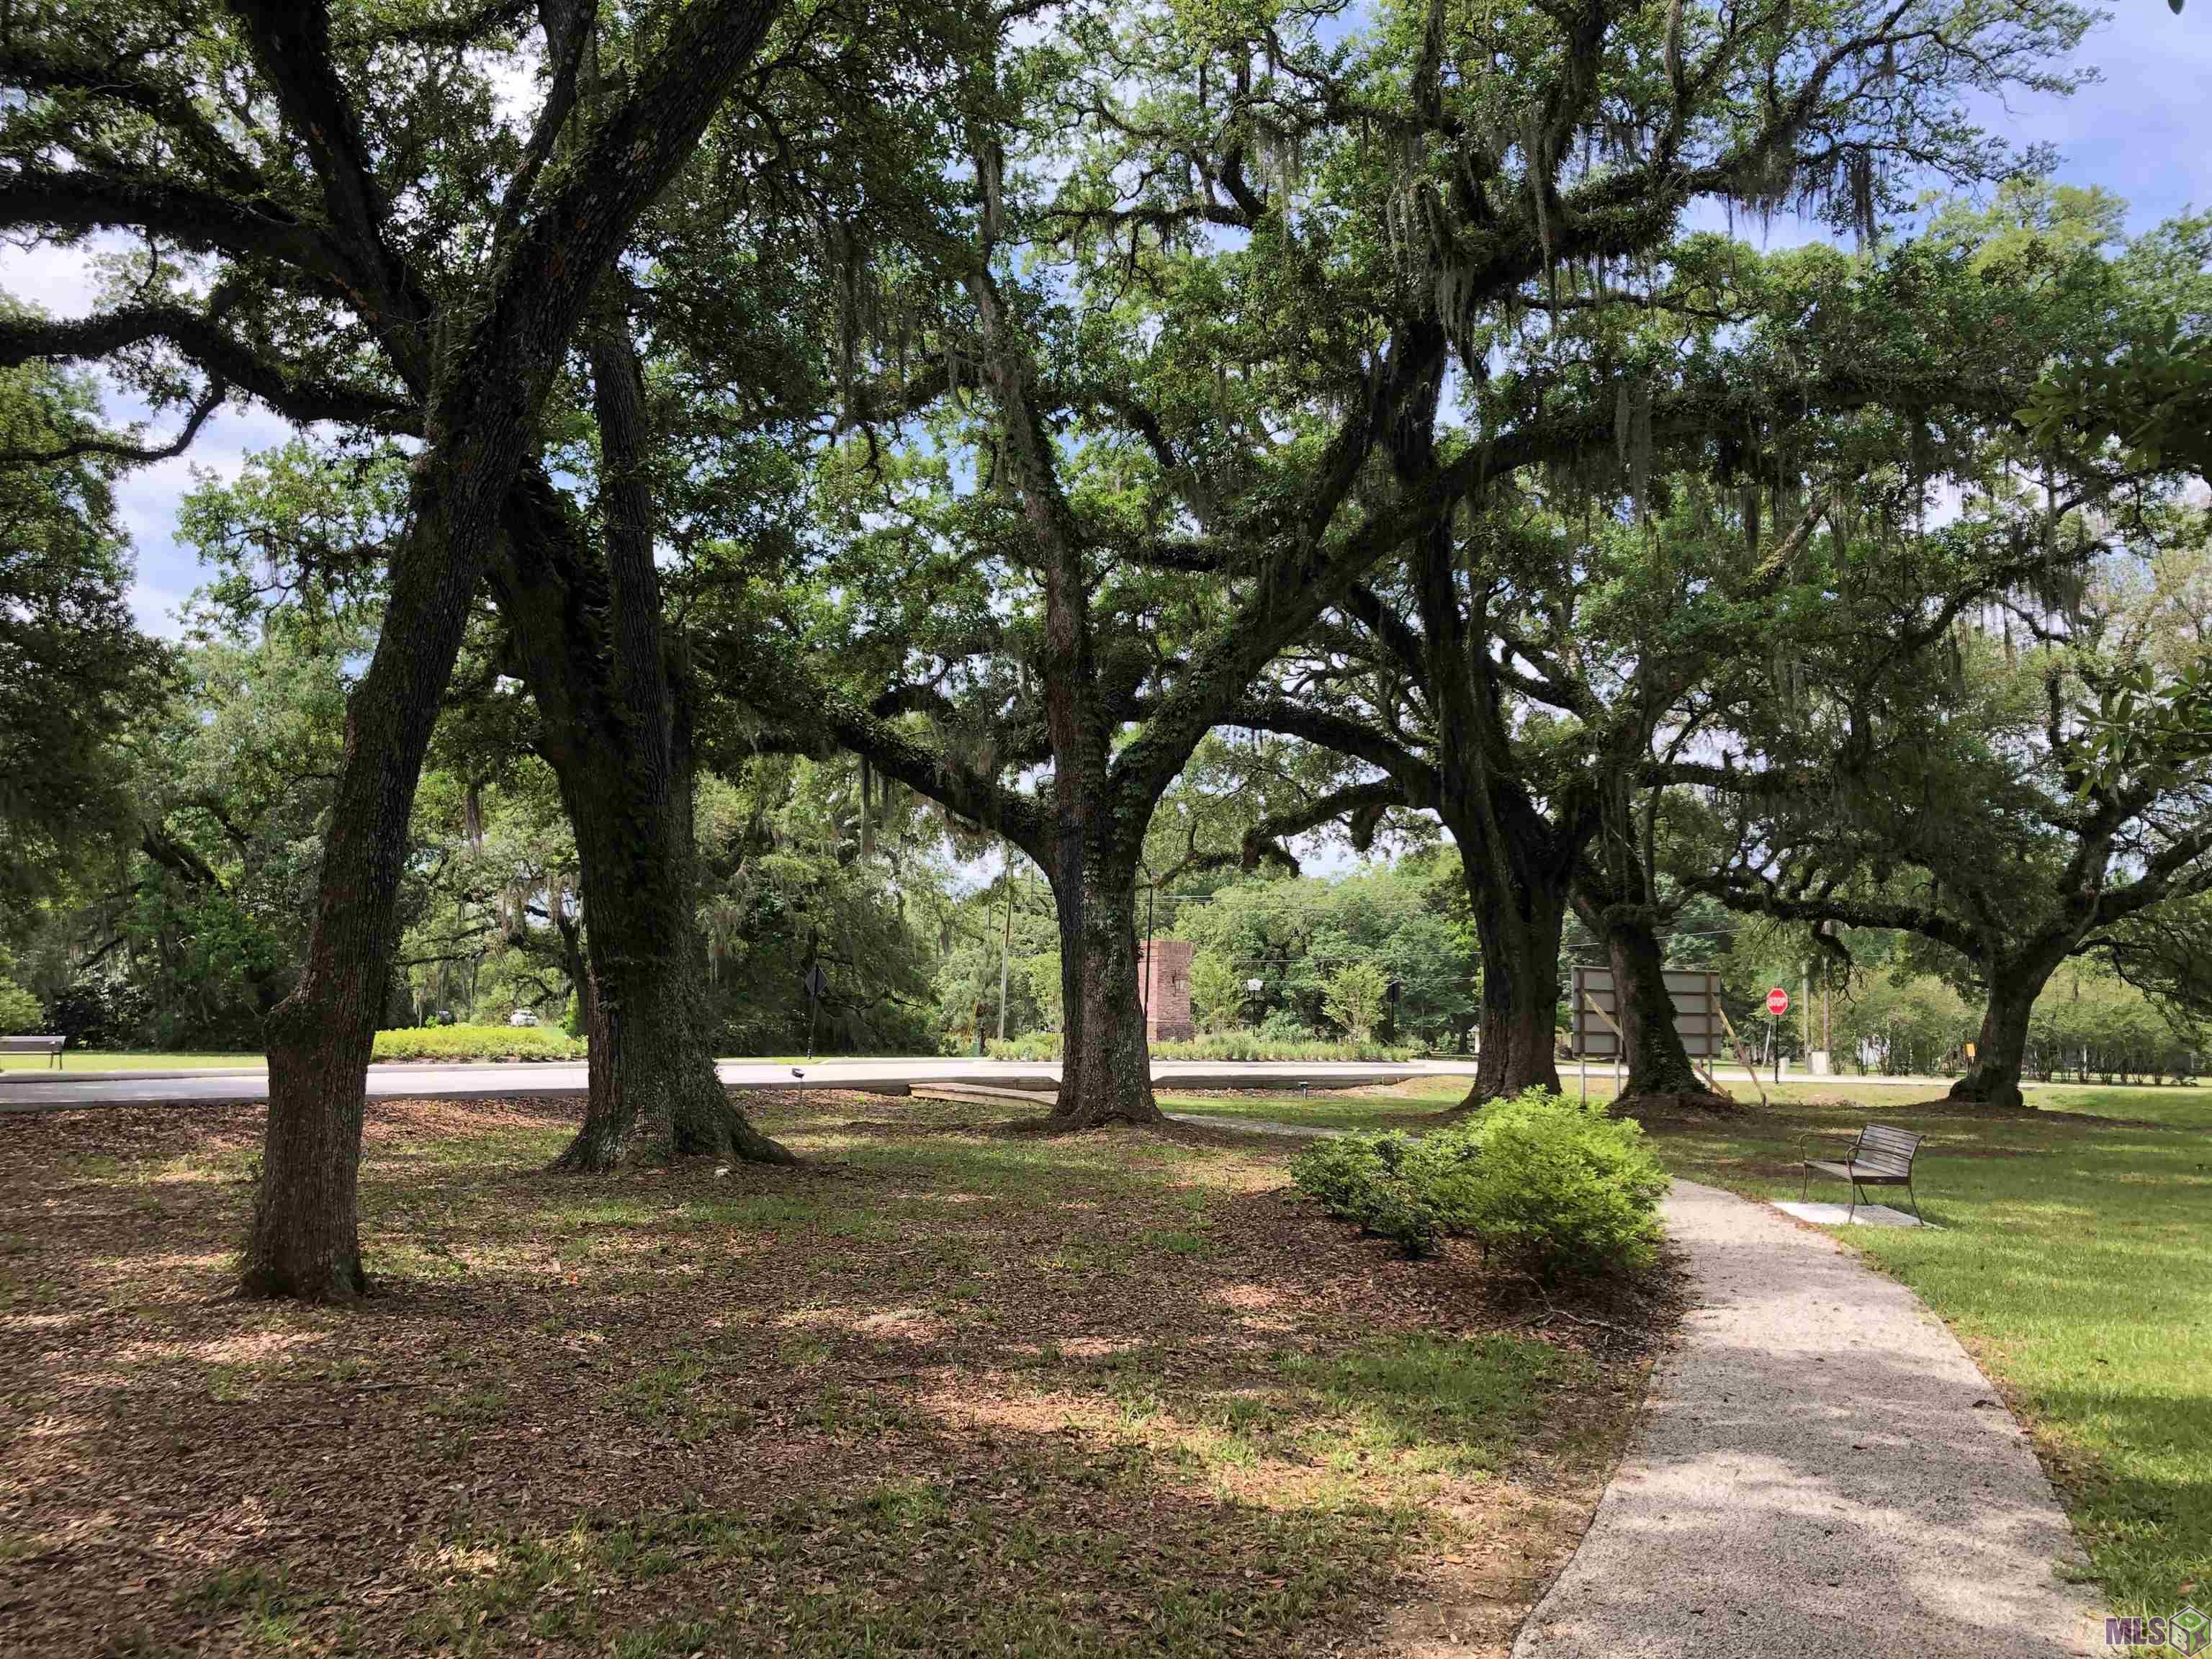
point(1393, 1108)
point(972, 1570)
point(93, 1060)
point(2074, 1259)
point(428, 1043)
point(1452, 1405)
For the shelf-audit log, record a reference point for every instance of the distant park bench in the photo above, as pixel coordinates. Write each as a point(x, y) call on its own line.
point(1880, 1156)
point(33, 1045)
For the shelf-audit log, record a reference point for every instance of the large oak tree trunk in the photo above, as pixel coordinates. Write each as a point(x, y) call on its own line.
point(1520, 940)
point(615, 726)
point(1519, 895)
point(1105, 1063)
point(2001, 1052)
point(1614, 895)
point(653, 1090)
point(305, 1238)
point(1657, 1063)
point(482, 401)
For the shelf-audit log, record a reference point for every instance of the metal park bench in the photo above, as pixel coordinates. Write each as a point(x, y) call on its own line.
point(33, 1045)
point(1880, 1156)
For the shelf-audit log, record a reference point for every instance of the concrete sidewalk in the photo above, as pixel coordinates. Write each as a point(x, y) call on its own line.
point(1820, 1469)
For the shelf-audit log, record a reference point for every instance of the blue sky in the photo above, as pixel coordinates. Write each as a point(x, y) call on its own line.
point(2143, 131)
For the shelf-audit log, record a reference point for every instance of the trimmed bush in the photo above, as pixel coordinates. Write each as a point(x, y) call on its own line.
point(1225, 1045)
point(1390, 1183)
point(1552, 1185)
point(479, 1042)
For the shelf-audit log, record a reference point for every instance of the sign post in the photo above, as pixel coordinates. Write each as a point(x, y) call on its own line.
point(1778, 1004)
point(816, 982)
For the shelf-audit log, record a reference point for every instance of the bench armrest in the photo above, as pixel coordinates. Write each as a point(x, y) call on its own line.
point(1811, 1140)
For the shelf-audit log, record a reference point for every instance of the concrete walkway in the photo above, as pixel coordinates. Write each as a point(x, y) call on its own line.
point(1821, 1470)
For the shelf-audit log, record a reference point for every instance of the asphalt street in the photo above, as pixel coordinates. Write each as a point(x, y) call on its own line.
point(47, 1091)
point(58, 1092)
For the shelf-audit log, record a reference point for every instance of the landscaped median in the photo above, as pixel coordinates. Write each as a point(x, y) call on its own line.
point(1044, 1047)
point(950, 1387)
point(465, 1043)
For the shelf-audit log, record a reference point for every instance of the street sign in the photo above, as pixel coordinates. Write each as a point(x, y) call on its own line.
point(1777, 1002)
point(816, 982)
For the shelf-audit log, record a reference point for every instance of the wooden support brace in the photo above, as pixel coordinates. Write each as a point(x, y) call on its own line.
point(1742, 1053)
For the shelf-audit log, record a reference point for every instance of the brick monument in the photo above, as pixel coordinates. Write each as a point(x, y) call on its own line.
point(1163, 980)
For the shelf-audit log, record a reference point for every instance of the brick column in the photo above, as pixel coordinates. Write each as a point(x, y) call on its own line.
point(1163, 971)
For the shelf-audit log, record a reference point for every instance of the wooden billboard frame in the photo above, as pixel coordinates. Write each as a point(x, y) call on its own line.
point(1594, 1033)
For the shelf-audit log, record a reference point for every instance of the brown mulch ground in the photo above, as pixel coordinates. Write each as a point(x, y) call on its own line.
point(941, 1391)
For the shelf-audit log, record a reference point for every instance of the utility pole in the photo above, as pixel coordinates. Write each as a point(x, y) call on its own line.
point(1005, 943)
point(1805, 1019)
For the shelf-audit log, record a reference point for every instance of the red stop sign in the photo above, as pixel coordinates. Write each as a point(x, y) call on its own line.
point(1777, 1002)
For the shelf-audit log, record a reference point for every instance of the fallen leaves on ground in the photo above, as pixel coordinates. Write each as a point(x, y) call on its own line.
point(942, 1389)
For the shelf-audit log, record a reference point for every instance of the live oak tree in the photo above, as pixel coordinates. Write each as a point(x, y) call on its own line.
point(1269, 252)
point(708, 366)
point(1955, 795)
point(1915, 769)
point(1051, 576)
point(74, 668)
point(311, 242)
point(1720, 440)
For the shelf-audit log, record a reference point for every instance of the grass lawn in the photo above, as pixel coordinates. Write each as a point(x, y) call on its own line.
point(948, 1389)
point(1393, 1106)
point(90, 1059)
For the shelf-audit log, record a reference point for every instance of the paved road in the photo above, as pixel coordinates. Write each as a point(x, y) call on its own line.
point(1820, 1469)
point(33, 1092)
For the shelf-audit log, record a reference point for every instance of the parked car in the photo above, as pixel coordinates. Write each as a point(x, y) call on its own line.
point(522, 1017)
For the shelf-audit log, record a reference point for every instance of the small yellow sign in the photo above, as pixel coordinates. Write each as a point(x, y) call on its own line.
point(1969, 1051)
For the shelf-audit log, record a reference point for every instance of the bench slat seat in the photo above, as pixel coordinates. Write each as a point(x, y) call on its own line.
point(33, 1045)
point(1880, 1156)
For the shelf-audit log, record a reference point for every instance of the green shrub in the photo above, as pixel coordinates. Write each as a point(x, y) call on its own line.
point(19, 1011)
point(1559, 1185)
point(479, 1042)
point(1388, 1183)
point(1356, 996)
point(1550, 1184)
point(1037, 1046)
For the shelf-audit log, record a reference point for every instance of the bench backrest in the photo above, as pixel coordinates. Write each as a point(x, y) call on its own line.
point(1880, 1147)
point(31, 1045)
